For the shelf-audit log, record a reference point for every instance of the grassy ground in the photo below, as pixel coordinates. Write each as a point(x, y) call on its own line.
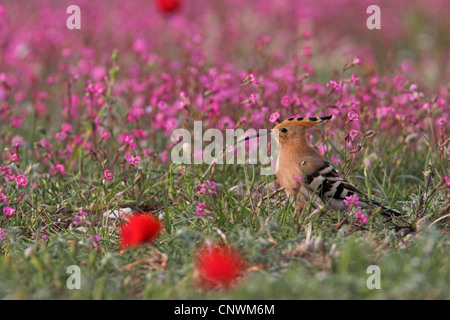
point(289, 256)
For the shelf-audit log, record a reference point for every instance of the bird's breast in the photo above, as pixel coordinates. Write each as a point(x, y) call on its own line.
point(288, 173)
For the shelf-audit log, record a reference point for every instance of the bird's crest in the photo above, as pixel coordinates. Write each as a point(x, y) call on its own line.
point(303, 122)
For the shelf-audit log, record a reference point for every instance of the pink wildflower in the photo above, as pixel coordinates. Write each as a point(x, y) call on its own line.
point(16, 122)
point(323, 149)
point(208, 187)
point(61, 136)
point(21, 181)
point(274, 117)
point(66, 127)
point(58, 169)
point(95, 243)
point(108, 174)
point(133, 160)
point(355, 79)
point(263, 41)
point(14, 157)
point(4, 198)
point(361, 217)
point(334, 86)
point(335, 160)
point(7, 172)
point(139, 45)
point(447, 181)
point(170, 124)
point(129, 140)
point(399, 82)
point(104, 134)
point(17, 141)
point(306, 34)
point(356, 61)
point(441, 121)
point(8, 211)
point(200, 208)
point(355, 135)
point(135, 114)
point(307, 51)
point(2, 236)
point(286, 101)
point(79, 217)
point(42, 236)
point(306, 67)
point(253, 99)
point(353, 116)
point(351, 201)
point(139, 133)
point(163, 156)
point(258, 117)
point(46, 144)
point(147, 152)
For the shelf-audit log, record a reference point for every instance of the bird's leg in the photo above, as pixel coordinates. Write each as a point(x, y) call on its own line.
point(300, 201)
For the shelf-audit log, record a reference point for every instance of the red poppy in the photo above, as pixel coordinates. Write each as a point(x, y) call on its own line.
point(168, 6)
point(140, 228)
point(218, 266)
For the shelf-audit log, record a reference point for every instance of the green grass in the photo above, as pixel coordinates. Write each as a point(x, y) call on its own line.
point(289, 255)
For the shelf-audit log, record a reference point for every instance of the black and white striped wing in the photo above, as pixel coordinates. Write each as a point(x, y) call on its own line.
point(331, 189)
point(328, 186)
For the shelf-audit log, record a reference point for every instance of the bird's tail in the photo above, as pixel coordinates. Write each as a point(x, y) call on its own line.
point(385, 211)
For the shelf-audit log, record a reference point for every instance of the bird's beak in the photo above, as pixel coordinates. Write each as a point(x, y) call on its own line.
point(256, 136)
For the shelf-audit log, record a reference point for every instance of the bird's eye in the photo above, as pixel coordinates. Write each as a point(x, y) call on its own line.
point(284, 130)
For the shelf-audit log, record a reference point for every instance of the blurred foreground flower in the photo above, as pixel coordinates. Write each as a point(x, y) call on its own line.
point(140, 228)
point(218, 266)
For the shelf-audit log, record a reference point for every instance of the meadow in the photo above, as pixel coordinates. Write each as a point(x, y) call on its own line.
point(87, 117)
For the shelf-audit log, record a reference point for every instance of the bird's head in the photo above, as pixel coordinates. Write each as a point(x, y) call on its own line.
point(292, 128)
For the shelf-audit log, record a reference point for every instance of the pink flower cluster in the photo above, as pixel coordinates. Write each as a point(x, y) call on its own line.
point(361, 218)
point(79, 217)
point(8, 211)
point(74, 102)
point(208, 187)
point(200, 208)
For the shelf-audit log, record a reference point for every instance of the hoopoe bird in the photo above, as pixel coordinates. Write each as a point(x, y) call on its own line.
point(307, 176)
